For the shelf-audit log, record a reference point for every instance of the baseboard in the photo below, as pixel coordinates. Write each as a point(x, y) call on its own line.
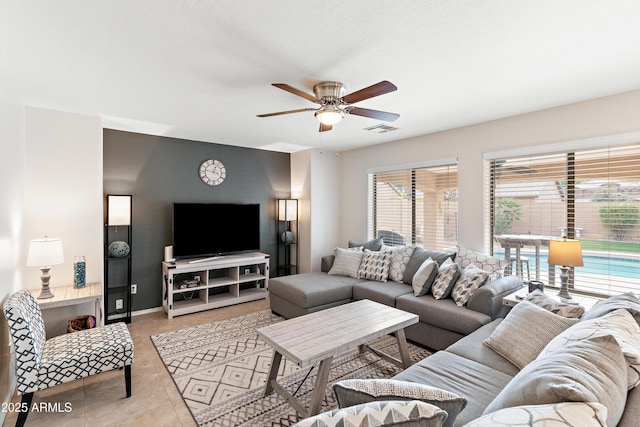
point(146, 311)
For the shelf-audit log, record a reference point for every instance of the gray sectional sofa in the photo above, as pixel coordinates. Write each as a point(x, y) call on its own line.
point(442, 322)
point(585, 373)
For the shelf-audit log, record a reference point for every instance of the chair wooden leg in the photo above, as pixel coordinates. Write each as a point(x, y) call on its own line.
point(25, 404)
point(127, 379)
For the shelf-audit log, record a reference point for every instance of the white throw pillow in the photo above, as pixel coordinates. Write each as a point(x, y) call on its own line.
point(400, 256)
point(347, 262)
point(424, 277)
point(374, 265)
point(620, 324)
point(582, 414)
point(448, 274)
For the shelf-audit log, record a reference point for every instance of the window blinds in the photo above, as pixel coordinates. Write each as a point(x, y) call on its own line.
point(415, 206)
point(591, 195)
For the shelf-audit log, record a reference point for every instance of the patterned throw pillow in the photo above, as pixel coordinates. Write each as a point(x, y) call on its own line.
point(347, 262)
point(374, 265)
point(400, 256)
point(395, 413)
point(448, 274)
point(490, 264)
point(358, 391)
point(471, 279)
point(424, 277)
point(583, 414)
point(621, 325)
point(538, 298)
point(525, 332)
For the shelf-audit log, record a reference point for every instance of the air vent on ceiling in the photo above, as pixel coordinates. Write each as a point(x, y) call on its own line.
point(381, 128)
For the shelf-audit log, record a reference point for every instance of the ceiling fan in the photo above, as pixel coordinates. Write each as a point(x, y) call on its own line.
point(334, 104)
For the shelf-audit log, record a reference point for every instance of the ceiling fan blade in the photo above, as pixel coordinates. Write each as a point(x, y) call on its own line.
point(324, 128)
point(369, 92)
point(279, 113)
point(374, 114)
point(298, 92)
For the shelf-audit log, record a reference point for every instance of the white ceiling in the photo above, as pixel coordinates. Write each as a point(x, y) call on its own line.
point(202, 69)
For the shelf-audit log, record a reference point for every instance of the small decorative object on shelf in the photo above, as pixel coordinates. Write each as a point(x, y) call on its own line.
point(287, 224)
point(118, 249)
point(79, 272)
point(535, 284)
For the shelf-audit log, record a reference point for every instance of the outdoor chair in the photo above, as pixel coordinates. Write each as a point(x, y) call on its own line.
point(42, 363)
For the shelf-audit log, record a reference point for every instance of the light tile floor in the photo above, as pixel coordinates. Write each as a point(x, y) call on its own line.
point(100, 400)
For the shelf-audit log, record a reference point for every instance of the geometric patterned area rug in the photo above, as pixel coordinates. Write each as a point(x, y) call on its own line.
point(220, 369)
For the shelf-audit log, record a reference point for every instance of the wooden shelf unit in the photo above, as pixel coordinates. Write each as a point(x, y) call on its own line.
point(221, 281)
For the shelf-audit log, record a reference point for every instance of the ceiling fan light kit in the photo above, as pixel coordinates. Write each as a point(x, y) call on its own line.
point(334, 104)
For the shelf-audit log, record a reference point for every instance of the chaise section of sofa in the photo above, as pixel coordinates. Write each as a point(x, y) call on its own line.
point(442, 321)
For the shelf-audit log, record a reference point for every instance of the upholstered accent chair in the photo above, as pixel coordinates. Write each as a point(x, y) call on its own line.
point(42, 363)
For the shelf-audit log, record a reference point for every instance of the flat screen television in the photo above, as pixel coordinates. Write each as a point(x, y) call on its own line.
point(212, 229)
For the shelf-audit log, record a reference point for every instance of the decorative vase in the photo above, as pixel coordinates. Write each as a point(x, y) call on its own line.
point(79, 272)
point(118, 249)
point(287, 237)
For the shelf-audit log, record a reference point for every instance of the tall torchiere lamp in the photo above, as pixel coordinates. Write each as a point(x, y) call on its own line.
point(566, 253)
point(288, 213)
point(45, 253)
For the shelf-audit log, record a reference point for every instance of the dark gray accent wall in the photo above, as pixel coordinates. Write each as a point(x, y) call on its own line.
point(158, 171)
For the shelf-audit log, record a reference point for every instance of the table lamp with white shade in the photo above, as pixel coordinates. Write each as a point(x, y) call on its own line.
point(45, 253)
point(566, 253)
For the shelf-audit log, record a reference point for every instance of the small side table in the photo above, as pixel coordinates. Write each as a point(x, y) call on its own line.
point(67, 296)
point(515, 297)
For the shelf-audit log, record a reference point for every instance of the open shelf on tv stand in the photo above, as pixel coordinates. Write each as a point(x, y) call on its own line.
point(214, 282)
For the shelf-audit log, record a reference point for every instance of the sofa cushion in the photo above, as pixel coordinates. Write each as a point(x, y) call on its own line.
point(471, 279)
point(347, 262)
point(400, 256)
point(358, 391)
point(419, 256)
point(390, 413)
point(372, 245)
point(557, 414)
point(448, 274)
point(621, 325)
point(628, 301)
point(424, 277)
point(590, 370)
point(374, 265)
point(477, 383)
point(444, 313)
point(538, 298)
point(472, 347)
point(312, 289)
point(525, 332)
point(384, 293)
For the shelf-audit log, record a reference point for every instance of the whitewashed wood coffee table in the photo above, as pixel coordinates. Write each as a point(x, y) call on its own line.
point(318, 337)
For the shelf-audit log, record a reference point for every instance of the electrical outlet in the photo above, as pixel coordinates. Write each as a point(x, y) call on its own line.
point(134, 289)
point(247, 271)
point(196, 278)
point(119, 304)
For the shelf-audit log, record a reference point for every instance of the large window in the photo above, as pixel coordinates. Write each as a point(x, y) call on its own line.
point(592, 195)
point(416, 205)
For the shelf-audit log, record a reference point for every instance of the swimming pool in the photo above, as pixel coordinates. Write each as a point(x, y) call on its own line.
point(593, 264)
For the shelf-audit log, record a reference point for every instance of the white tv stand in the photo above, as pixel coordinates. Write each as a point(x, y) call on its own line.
point(189, 287)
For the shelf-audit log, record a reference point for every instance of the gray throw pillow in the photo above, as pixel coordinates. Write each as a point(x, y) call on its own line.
point(448, 274)
point(591, 370)
point(372, 245)
point(390, 413)
point(538, 298)
point(357, 391)
point(424, 277)
point(525, 332)
point(419, 256)
point(471, 279)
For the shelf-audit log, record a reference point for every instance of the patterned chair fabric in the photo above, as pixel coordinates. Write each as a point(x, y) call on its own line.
point(42, 363)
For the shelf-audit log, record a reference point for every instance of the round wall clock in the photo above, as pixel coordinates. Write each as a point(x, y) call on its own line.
point(212, 172)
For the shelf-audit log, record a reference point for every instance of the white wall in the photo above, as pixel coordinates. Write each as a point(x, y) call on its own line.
point(315, 180)
point(63, 190)
point(611, 115)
